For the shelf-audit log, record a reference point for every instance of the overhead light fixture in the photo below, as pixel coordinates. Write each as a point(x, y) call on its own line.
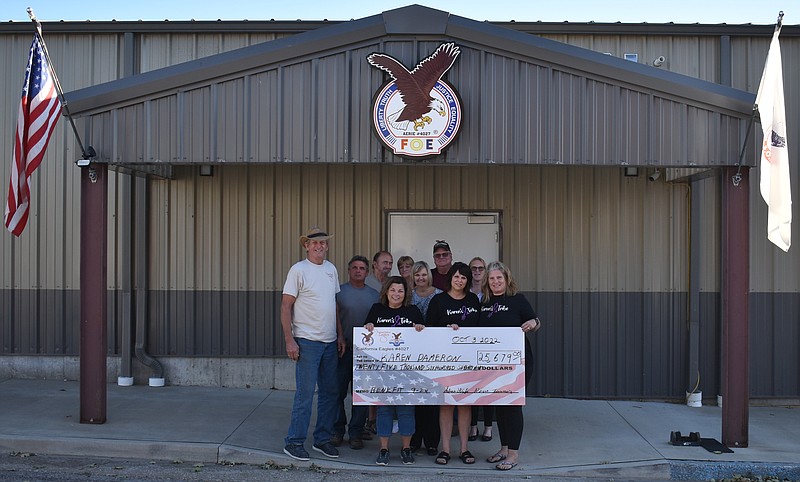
point(654, 175)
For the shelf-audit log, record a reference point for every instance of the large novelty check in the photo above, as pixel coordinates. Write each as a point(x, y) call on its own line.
point(439, 366)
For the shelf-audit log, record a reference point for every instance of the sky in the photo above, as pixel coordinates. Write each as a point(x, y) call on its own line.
point(763, 12)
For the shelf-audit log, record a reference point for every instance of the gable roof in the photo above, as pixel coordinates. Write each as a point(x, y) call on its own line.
point(306, 98)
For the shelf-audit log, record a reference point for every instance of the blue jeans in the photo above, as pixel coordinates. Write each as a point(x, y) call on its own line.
point(405, 419)
point(358, 414)
point(316, 367)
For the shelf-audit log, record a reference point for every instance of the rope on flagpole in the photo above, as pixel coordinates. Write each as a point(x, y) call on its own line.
point(87, 154)
point(737, 178)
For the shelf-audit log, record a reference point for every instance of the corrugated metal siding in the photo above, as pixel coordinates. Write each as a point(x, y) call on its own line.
point(517, 110)
point(158, 50)
point(688, 55)
point(198, 308)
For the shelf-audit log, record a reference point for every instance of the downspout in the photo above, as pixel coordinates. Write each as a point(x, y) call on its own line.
point(157, 378)
point(694, 391)
point(125, 378)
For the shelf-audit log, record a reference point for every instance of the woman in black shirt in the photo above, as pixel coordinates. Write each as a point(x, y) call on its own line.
point(454, 308)
point(503, 305)
point(395, 310)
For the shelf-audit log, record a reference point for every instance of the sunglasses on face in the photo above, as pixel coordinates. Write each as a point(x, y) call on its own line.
point(441, 255)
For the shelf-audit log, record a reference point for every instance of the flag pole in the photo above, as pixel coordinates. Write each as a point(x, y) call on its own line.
point(87, 154)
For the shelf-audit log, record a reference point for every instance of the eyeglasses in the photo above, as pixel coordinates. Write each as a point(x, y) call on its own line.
point(441, 255)
point(478, 268)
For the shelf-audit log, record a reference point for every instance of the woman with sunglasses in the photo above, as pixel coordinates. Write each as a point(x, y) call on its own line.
point(478, 267)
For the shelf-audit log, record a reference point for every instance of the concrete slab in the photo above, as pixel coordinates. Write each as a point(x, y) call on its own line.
point(577, 438)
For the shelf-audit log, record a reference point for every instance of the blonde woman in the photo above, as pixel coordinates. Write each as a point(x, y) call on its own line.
point(503, 305)
point(427, 416)
point(404, 267)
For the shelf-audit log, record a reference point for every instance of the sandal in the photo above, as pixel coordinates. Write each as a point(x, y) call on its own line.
point(505, 465)
point(467, 457)
point(443, 458)
point(498, 457)
point(487, 435)
point(473, 434)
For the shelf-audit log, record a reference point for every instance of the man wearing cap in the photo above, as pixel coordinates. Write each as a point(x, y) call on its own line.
point(443, 259)
point(313, 339)
point(381, 267)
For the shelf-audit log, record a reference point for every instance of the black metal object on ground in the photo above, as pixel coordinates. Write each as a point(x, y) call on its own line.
point(694, 440)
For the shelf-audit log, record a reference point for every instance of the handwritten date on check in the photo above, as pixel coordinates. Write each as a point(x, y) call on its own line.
point(439, 366)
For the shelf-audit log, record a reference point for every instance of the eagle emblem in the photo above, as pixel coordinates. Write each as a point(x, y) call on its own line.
point(366, 339)
point(417, 113)
point(397, 339)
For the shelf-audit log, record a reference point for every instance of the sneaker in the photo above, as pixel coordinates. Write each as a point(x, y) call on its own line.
point(336, 439)
point(383, 457)
point(407, 456)
point(356, 444)
point(296, 452)
point(326, 449)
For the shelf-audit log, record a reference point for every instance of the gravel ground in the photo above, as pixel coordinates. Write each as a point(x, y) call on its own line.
point(21, 467)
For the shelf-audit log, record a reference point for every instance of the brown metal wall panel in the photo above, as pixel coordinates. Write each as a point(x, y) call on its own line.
point(263, 131)
point(163, 132)
point(197, 136)
point(688, 55)
point(163, 49)
point(774, 337)
point(297, 113)
point(331, 76)
point(229, 124)
point(614, 344)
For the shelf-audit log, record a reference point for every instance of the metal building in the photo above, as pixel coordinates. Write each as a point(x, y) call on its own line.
point(625, 272)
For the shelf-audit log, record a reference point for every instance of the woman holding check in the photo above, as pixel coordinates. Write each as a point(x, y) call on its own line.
point(394, 310)
point(503, 305)
point(454, 308)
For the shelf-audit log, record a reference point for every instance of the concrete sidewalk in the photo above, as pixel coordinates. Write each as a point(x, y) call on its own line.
point(562, 436)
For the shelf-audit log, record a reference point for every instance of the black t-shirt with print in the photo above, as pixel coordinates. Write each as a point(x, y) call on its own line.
point(445, 310)
point(383, 316)
point(506, 311)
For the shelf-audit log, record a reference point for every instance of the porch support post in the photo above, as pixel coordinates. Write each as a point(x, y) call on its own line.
point(93, 252)
point(735, 306)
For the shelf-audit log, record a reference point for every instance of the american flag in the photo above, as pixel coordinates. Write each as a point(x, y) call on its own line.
point(38, 113)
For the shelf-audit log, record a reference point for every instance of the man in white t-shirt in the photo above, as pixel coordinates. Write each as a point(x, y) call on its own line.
point(314, 340)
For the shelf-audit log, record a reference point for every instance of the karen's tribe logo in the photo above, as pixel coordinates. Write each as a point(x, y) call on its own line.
point(417, 114)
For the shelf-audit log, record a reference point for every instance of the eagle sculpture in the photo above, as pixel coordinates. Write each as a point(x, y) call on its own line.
point(415, 87)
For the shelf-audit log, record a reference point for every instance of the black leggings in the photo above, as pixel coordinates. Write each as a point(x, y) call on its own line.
point(510, 420)
point(427, 426)
point(488, 415)
point(510, 423)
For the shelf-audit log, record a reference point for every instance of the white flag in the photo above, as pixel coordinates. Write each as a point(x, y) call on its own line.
point(775, 186)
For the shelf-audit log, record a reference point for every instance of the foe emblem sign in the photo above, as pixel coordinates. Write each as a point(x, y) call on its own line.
point(417, 114)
